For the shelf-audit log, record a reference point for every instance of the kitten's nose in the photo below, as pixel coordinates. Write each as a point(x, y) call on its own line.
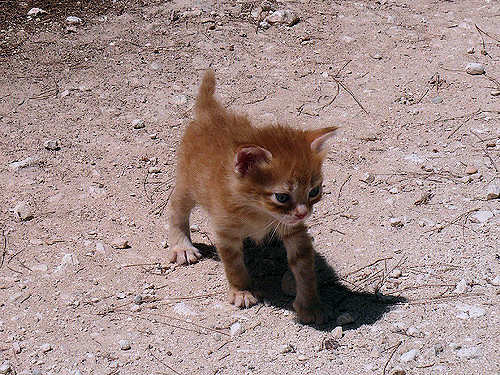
point(300, 211)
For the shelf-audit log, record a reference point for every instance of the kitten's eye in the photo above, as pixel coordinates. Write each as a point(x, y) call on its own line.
point(314, 192)
point(281, 197)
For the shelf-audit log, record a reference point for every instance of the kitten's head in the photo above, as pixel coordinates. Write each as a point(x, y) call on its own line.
point(279, 173)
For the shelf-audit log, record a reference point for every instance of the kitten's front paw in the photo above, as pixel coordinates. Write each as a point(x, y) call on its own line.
point(241, 298)
point(316, 313)
point(183, 255)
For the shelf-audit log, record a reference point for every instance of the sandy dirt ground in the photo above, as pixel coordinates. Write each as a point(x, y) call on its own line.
point(407, 233)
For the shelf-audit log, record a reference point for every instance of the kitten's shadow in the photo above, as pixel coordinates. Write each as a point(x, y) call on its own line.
point(268, 263)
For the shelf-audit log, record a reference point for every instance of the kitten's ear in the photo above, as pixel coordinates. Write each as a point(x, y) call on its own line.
point(318, 138)
point(250, 156)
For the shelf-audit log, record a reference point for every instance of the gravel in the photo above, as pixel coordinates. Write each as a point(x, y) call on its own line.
point(182, 309)
point(236, 329)
point(124, 344)
point(28, 162)
point(120, 243)
point(23, 212)
point(469, 353)
point(45, 348)
point(5, 368)
point(481, 217)
point(138, 123)
point(72, 20)
point(493, 191)
point(409, 355)
point(474, 68)
point(337, 333)
point(52, 144)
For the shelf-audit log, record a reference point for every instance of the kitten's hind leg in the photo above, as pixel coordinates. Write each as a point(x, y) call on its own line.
point(231, 253)
point(182, 250)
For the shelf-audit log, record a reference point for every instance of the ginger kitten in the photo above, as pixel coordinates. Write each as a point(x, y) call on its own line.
point(251, 181)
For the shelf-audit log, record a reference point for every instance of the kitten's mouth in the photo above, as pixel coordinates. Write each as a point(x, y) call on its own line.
point(291, 221)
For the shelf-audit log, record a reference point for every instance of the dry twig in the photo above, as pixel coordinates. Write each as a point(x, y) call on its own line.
point(163, 363)
point(4, 252)
point(392, 354)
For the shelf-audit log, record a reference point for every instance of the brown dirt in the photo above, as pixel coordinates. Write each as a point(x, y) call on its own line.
point(373, 67)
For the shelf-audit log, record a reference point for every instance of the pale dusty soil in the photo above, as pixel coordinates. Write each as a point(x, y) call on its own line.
point(144, 61)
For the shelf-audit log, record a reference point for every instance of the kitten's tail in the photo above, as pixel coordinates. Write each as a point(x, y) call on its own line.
point(206, 104)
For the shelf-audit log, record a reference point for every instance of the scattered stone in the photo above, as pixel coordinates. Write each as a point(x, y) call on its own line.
point(493, 191)
point(135, 308)
point(495, 92)
point(154, 170)
point(52, 145)
point(236, 329)
point(164, 244)
point(495, 281)
point(68, 259)
point(474, 68)
point(471, 169)
point(454, 345)
point(256, 13)
point(120, 243)
point(286, 348)
point(5, 368)
point(462, 287)
point(195, 228)
point(138, 299)
point(302, 357)
point(138, 123)
point(471, 50)
point(23, 211)
point(288, 286)
point(368, 178)
point(426, 223)
point(64, 94)
point(470, 311)
point(39, 267)
point(153, 135)
point(124, 344)
point(396, 222)
point(396, 273)
point(344, 318)
point(398, 371)
point(337, 333)
point(179, 99)
point(16, 347)
point(264, 25)
point(28, 162)
point(72, 20)
point(438, 349)
point(285, 17)
point(469, 353)
point(15, 297)
point(437, 100)
point(377, 56)
point(36, 12)
point(155, 65)
point(409, 355)
point(99, 247)
point(45, 348)
point(121, 295)
point(480, 217)
point(394, 190)
point(182, 309)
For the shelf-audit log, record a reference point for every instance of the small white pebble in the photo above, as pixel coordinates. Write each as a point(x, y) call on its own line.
point(46, 348)
point(124, 344)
